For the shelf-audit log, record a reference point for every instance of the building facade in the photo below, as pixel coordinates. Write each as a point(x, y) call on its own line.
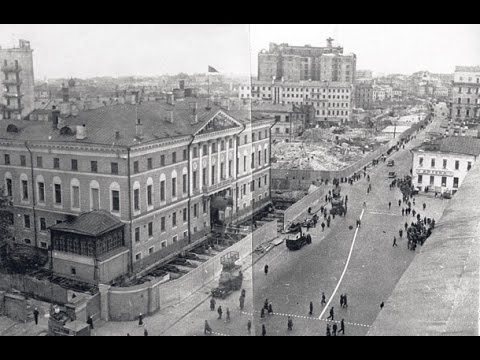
point(465, 101)
point(332, 101)
point(296, 63)
point(17, 81)
point(156, 166)
point(363, 96)
point(441, 165)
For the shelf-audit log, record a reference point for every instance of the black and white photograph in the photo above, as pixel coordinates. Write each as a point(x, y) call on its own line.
point(224, 180)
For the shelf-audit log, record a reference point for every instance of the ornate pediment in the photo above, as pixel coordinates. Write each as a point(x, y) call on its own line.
point(219, 122)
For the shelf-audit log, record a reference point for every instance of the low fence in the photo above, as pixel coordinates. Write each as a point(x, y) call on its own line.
point(125, 304)
point(302, 179)
point(35, 288)
point(312, 200)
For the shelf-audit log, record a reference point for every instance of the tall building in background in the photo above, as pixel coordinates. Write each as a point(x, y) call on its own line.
point(466, 94)
point(17, 81)
point(296, 63)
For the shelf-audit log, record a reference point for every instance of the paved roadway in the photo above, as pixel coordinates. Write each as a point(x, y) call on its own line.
point(361, 263)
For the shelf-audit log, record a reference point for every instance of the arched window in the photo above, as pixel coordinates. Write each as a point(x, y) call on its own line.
point(174, 184)
point(136, 197)
point(75, 194)
point(94, 195)
point(150, 194)
point(8, 187)
point(40, 189)
point(57, 191)
point(163, 181)
point(24, 186)
point(115, 198)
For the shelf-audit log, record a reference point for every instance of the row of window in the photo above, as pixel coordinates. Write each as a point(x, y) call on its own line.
point(459, 101)
point(445, 163)
point(443, 181)
point(333, 113)
point(57, 164)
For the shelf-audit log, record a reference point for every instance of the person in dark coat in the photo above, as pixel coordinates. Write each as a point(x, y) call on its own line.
point(311, 308)
point(382, 305)
point(328, 330)
point(334, 328)
point(270, 309)
point(242, 302)
point(342, 327)
point(265, 304)
point(290, 324)
point(35, 315)
point(424, 206)
point(212, 304)
point(403, 212)
point(145, 332)
point(394, 242)
point(207, 328)
point(341, 300)
point(262, 313)
point(323, 226)
point(332, 315)
point(264, 330)
point(140, 319)
point(220, 312)
point(389, 205)
point(324, 301)
point(249, 327)
point(406, 226)
point(345, 303)
point(265, 269)
point(399, 203)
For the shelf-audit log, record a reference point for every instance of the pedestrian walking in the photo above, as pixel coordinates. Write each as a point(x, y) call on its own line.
point(399, 203)
point(328, 330)
point(265, 269)
point(262, 313)
point(332, 314)
point(334, 328)
point(35, 315)
point(140, 319)
point(328, 222)
point(382, 305)
point(311, 309)
point(424, 206)
point(406, 226)
point(341, 300)
point(290, 324)
point(394, 242)
point(414, 212)
point(264, 330)
point(324, 301)
point(270, 309)
point(242, 302)
point(345, 303)
point(145, 332)
point(400, 232)
point(323, 226)
point(403, 212)
point(265, 305)
point(389, 205)
point(207, 329)
point(227, 318)
point(364, 204)
point(249, 327)
point(212, 304)
point(220, 312)
point(342, 327)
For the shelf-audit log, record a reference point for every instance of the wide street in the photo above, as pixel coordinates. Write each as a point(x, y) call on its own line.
point(361, 263)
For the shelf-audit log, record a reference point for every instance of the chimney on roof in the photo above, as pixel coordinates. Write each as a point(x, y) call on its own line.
point(170, 98)
point(139, 129)
point(81, 133)
point(170, 116)
point(182, 84)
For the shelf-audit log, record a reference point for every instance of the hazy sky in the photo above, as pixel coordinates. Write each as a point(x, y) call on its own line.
point(117, 50)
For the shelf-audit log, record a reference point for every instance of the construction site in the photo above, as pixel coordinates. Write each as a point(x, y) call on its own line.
point(335, 148)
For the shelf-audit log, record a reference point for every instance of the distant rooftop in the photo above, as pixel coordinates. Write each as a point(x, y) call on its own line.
point(103, 124)
point(467, 68)
point(456, 145)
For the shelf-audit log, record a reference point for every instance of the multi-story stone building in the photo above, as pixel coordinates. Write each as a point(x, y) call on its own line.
point(290, 119)
point(441, 165)
point(296, 63)
point(161, 168)
point(332, 101)
point(465, 101)
point(17, 81)
point(364, 96)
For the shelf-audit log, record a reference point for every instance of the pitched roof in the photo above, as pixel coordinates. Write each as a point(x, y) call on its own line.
point(94, 224)
point(103, 123)
point(455, 144)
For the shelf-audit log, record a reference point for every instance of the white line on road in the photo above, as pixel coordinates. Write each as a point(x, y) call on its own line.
point(344, 270)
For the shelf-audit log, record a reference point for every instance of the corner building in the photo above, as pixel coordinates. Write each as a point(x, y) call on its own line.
point(168, 170)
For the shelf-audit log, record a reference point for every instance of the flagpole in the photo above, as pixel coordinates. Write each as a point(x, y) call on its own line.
point(208, 79)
